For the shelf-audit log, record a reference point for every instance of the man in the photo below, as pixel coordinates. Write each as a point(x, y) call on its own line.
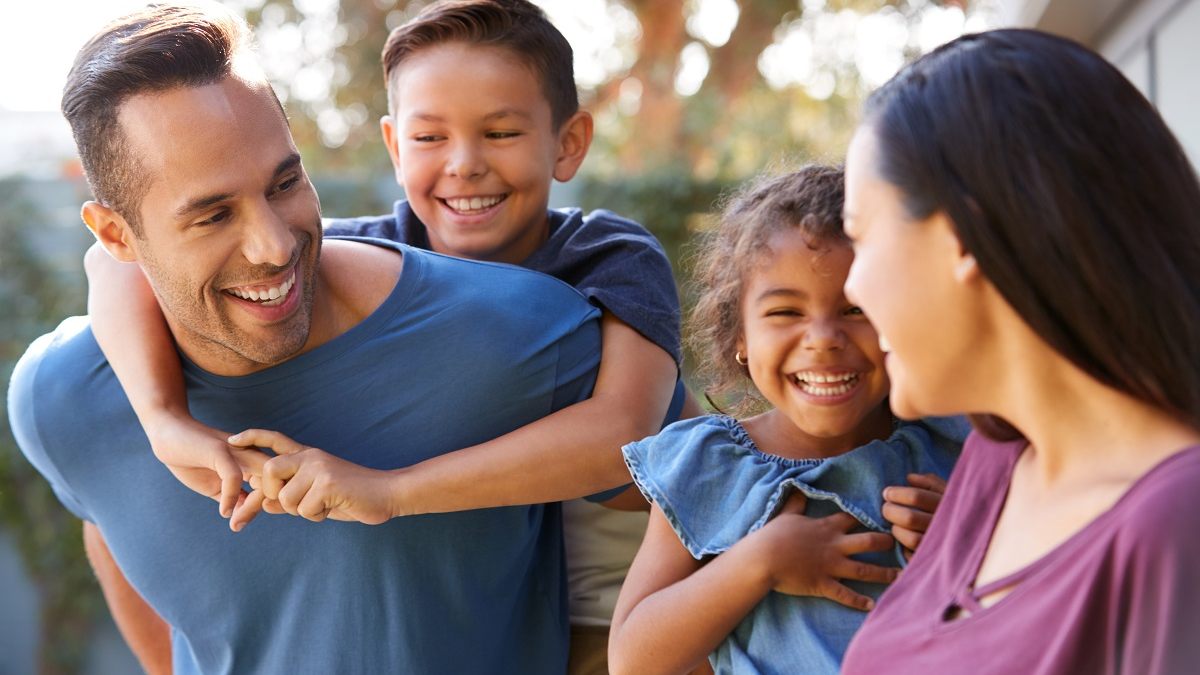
point(377, 351)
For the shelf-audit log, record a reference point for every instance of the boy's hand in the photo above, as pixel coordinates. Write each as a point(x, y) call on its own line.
point(310, 483)
point(807, 556)
point(199, 457)
point(909, 509)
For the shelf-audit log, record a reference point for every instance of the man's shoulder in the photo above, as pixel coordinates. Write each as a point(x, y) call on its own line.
point(66, 354)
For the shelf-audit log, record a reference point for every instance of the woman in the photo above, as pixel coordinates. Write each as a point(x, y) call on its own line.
point(1027, 238)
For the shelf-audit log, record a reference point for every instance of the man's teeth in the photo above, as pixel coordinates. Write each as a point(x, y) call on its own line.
point(473, 203)
point(268, 296)
point(823, 384)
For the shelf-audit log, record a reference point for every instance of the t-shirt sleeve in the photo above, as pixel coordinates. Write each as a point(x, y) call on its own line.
point(1159, 604)
point(620, 266)
point(24, 416)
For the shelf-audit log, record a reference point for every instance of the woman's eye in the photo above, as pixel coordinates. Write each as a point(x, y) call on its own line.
point(854, 310)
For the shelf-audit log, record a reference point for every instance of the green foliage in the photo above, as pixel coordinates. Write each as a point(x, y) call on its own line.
point(35, 296)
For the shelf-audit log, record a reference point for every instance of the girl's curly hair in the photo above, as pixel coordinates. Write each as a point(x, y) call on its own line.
point(810, 200)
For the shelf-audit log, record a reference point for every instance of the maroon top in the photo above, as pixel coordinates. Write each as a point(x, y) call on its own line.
point(1122, 595)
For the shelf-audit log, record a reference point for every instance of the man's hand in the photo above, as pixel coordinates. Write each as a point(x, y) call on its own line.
point(310, 483)
point(808, 556)
point(910, 509)
point(199, 457)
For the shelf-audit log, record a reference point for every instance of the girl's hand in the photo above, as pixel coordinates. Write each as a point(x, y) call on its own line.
point(310, 483)
point(808, 556)
point(910, 509)
point(198, 456)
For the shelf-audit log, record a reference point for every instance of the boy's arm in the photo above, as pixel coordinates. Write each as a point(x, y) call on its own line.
point(130, 329)
point(672, 611)
point(572, 453)
point(148, 636)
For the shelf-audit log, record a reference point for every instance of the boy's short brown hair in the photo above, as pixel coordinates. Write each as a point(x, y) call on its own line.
point(516, 25)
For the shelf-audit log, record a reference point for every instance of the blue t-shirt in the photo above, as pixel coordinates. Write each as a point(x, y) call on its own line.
point(460, 352)
point(613, 261)
point(715, 487)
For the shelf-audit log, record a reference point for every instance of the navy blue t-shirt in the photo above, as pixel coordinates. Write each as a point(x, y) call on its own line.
point(459, 353)
point(615, 262)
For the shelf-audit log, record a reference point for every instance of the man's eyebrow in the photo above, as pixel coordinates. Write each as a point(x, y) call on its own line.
point(289, 163)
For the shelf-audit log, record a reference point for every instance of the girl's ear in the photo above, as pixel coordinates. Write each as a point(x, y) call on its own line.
point(110, 229)
point(574, 139)
point(387, 127)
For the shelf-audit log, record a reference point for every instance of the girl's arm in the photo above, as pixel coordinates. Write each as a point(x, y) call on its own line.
point(572, 453)
point(673, 612)
point(130, 328)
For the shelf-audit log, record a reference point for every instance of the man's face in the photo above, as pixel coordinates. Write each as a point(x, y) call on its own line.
point(231, 226)
point(475, 149)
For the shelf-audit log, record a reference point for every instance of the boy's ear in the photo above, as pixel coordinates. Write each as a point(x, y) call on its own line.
point(387, 126)
point(574, 139)
point(110, 229)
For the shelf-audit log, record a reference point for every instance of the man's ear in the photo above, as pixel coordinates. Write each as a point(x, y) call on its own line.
point(110, 229)
point(574, 139)
point(387, 127)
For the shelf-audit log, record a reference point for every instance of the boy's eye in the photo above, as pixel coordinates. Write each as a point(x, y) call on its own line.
point(503, 134)
point(426, 138)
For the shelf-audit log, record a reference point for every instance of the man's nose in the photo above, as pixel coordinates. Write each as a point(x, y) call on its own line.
point(268, 239)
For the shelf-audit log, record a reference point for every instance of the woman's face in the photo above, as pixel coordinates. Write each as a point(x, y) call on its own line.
point(908, 277)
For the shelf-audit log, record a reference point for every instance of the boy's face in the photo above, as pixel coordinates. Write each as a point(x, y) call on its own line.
point(474, 146)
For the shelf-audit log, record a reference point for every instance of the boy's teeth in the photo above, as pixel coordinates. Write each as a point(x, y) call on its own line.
point(473, 203)
point(269, 296)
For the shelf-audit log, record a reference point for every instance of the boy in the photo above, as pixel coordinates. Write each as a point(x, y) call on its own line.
point(484, 115)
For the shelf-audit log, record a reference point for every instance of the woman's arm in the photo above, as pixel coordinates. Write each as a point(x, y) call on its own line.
point(132, 333)
point(572, 453)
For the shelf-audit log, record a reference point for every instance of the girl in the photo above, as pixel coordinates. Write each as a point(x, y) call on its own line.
point(1027, 233)
point(770, 601)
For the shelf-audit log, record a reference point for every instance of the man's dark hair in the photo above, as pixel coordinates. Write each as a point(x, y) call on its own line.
point(1066, 186)
point(515, 25)
point(154, 49)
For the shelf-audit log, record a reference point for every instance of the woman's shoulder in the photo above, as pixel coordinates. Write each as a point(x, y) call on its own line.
point(1161, 511)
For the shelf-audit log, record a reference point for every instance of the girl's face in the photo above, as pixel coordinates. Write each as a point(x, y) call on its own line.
point(908, 277)
point(812, 354)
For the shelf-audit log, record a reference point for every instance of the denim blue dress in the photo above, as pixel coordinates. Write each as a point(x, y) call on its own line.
point(715, 487)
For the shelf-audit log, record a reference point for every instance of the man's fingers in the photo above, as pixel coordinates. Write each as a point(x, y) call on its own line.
point(245, 510)
point(906, 517)
point(842, 595)
point(264, 438)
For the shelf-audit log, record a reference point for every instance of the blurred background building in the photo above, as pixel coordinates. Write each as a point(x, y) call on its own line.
point(690, 98)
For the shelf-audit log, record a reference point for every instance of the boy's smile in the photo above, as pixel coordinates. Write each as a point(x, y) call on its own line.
point(474, 146)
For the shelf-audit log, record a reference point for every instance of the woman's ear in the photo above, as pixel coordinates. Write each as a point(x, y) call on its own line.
point(110, 229)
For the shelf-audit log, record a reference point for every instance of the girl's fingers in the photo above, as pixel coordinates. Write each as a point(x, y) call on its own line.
point(927, 481)
point(861, 571)
point(841, 594)
point(865, 542)
point(914, 497)
point(795, 504)
point(909, 539)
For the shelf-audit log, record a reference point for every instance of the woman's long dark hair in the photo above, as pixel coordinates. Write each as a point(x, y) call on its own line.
point(1077, 202)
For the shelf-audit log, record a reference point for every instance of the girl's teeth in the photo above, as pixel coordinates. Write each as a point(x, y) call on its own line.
point(818, 384)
